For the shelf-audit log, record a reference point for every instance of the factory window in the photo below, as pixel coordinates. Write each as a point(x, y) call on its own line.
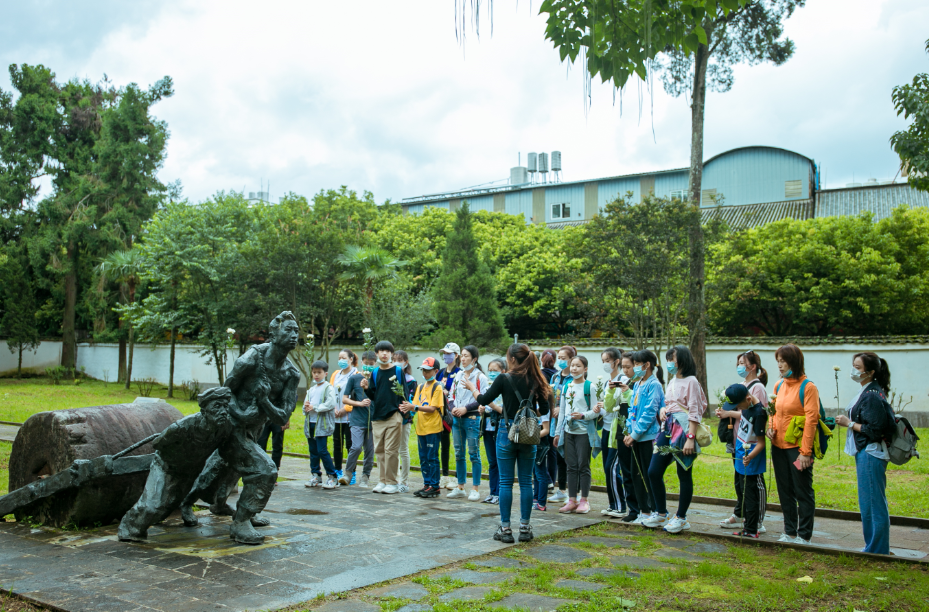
point(793, 189)
point(709, 197)
point(561, 211)
point(679, 195)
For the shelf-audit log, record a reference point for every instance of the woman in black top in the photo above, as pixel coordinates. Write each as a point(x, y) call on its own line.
point(524, 377)
point(868, 421)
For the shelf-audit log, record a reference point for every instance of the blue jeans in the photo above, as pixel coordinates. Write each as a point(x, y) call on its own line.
point(541, 475)
point(311, 446)
point(467, 431)
point(872, 502)
point(490, 447)
point(322, 454)
point(429, 458)
point(513, 459)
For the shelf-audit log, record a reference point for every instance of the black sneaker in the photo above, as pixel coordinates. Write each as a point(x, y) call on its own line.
point(505, 535)
point(525, 533)
point(420, 492)
point(430, 492)
point(629, 518)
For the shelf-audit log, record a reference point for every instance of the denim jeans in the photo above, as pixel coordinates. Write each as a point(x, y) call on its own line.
point(429, 458)
point(322, 454)
point(311, 446)
point(872, 502)
point(541, 476)
point(514, 459)
point(490, 447)
point(467, 431)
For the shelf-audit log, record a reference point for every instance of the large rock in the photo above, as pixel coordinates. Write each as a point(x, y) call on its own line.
point(48, 442)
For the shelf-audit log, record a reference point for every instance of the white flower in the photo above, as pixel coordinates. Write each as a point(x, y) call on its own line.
point(393, 378)
point(230, 330)
point(309, 335)
point(599, 378)
point(746, 447)
point(366, 330)
point(837, 368)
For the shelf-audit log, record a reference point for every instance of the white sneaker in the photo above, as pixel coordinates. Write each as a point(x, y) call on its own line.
point(314, 481)
point(456, 492)
point(786, 538)
point(331, 483)
point(677, 525)
point(451, 483)
point(606, 511)
point(363, 482)
point(615, 514)
point(378, 488)
point(800, 540)
point(640, 520)
point(402, 488)
point(730, 523)
point(390, 490)
point(474, 495)
point(761, 528)
point(656, 520)
point(559, 496)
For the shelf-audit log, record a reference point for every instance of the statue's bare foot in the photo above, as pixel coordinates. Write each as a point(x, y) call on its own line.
point(190, 519)
point(260, 521)
point(223, 509)
point(243, 533)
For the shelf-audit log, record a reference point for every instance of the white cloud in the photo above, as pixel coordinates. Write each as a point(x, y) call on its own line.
point(380, 96)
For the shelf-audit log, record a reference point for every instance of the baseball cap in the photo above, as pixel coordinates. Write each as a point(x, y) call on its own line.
point(451, 347)
point(736, 393)
point(429, 363)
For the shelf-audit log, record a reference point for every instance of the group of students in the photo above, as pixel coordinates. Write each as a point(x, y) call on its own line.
point(639, 425)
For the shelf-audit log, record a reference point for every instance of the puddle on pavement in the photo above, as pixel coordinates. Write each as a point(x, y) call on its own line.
point(297, 512)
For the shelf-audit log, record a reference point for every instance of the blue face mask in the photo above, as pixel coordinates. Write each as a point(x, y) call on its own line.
point(789, 374)
point(638, 371)
point(742, 371)
point(577, 376)
point(672, 368)
point(431, 378)
point(492, 375)
point(562, 364)
point(343, 363)
point(367, 368)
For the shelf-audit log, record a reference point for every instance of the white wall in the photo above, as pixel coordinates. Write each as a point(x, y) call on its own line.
point(908, 365)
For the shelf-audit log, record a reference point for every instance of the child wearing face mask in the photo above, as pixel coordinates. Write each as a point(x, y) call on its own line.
point(321, 399)
point(490, 420)
point(466, 428)
point(360, 423)
point(446, 376)
point(342, 436)
point(576, 435)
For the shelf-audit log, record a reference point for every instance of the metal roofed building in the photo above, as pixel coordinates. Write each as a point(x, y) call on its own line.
point(748, 187)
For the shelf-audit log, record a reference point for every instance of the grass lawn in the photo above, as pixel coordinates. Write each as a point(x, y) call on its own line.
point(744, 577)
point(834, 476)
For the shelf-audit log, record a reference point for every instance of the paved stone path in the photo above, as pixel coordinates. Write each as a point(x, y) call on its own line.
point(335, 541)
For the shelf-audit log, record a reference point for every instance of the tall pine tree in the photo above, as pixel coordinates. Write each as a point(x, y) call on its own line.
point(464, 296)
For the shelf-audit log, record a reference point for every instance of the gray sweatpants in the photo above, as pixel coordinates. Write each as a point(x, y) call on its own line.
point(577, 456)
point(361, 437)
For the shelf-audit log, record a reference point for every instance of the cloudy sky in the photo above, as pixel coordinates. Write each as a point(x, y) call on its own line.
point(381, 96)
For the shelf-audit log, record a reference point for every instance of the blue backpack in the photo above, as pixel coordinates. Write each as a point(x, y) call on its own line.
point(824, 421)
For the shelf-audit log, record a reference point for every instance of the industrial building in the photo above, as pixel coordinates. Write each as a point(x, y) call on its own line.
point(748, 187)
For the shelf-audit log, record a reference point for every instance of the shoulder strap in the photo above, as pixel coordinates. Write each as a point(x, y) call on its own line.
point(802, 387)
point(587, 394)
point(777, 389)
point(332, 378)
point(753, 383)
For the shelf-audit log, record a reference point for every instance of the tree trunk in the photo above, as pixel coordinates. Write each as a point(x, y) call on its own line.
point(696, 314)
point(129, 360)
point(19, 365)
point(68, 340)
point(121, 376)
point(171, 362)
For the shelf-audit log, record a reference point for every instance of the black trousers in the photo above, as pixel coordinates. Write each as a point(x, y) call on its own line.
point(341, 439)
point(624, 461)
point(445, 443)
point(562, 472)
point(276, 433)
point(755, 501)
point(795, 490)
point(641, 459)
point(737, 480)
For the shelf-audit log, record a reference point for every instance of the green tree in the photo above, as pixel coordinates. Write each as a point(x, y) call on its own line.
point(124, 269)
point(402, 314)
point(912, 144)
point(370, 266)
point(19, 308)
point(465, 297)
point(637, 256)
point(832, 275)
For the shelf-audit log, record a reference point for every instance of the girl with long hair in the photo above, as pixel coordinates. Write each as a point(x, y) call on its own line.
point(524, 382)
point(685, 403)
point(466, 428)
point(642, 425)
point(490, 420)
point(611, 405)
point(576, 437)
point(342, 434)
point(559, 382)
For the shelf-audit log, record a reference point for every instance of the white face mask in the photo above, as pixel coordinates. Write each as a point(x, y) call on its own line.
point(608, 367)
point(468, 367)
point(857, 375)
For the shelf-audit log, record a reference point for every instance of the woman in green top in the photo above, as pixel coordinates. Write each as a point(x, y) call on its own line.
point(612, 365)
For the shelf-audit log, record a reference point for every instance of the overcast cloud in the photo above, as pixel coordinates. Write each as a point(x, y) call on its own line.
point(380, 96)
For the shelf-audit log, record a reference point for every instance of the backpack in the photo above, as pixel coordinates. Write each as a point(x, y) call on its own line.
point(826, 424)
point(446, 415)
point(399, 375)
point(525, 428)
point(725, 430)
point(899, 436)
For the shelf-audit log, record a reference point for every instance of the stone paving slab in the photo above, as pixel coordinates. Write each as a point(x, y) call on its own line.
point(579, 585)
point(415, 607)
point(557, 554)
point(599, 540)
point(533, 603)
point(604, 572)
point(466, 594)
point(502, 562)
point(466, 575)
point(640, 563)
point(348, 605)
point(673, 553)
point(318, 542)
point(404, 590)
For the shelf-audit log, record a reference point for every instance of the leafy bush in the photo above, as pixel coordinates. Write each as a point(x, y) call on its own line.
point(190, 389)
point(145, 386)
point(56, 373)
